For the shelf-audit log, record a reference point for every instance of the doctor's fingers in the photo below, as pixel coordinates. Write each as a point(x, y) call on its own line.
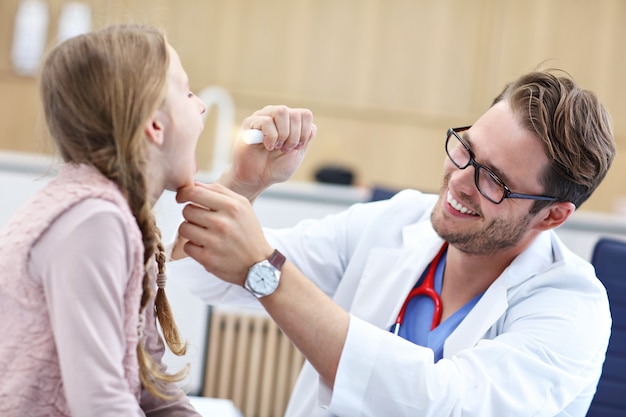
point(221, 245)
point(222, 222)
point(283, 127)
point(233, 220)
point(190, 232)
point(298, 131)
point(312, 131)
point(211, 196)
point(210, 233)
point(199, 216)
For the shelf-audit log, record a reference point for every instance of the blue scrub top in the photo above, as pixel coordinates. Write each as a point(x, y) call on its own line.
point(419, 316)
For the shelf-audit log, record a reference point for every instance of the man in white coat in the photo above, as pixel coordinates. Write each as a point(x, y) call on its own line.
point(520, 324)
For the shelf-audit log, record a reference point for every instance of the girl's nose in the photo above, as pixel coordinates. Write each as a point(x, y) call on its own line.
point(201, 105)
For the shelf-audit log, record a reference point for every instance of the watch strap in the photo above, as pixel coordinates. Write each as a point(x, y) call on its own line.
point(277, 259)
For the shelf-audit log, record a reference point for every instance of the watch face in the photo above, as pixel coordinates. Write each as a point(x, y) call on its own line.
point(262, 279)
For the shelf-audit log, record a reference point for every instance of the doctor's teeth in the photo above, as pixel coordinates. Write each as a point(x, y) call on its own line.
point(458, 206)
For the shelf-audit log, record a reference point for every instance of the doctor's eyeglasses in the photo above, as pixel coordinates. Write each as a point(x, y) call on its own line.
point(487, 182)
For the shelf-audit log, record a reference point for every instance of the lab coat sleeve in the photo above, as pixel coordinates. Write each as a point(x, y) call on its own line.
point(382, 374)
point(545, 351)
point(190, 274)
point(320, 248)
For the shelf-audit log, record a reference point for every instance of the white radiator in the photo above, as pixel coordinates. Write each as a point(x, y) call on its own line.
point(251, 362)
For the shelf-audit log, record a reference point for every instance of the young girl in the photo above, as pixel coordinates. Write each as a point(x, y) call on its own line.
point(80, 263)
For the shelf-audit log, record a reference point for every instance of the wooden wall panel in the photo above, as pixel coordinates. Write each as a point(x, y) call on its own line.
point(385, 78)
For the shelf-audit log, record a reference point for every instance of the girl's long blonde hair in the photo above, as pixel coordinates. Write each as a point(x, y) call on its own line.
point(98, 91)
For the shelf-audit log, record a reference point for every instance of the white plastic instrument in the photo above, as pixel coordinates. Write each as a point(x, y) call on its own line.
point(253, 136)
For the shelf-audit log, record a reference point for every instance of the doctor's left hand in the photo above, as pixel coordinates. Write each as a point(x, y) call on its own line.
point(222, 231)
point(287, 133)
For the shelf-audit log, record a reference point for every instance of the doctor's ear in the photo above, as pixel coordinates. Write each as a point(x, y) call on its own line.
point(154, 130)
point(556, 214)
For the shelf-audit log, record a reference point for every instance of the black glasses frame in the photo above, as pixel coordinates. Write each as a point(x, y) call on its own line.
point(507, 193)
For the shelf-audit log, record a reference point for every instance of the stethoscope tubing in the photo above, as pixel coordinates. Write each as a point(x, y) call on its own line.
point(426, 288)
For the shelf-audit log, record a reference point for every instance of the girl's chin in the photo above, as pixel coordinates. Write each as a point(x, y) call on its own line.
point(184, 182)
point(188, 183)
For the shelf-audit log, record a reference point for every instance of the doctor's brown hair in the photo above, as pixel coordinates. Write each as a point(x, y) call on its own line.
point(98, 91)
point(574, 128)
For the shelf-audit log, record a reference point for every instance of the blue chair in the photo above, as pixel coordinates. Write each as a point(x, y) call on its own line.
point(382, 193)
point(609, 259)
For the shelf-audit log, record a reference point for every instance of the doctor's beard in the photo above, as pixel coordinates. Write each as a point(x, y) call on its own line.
point(488, 237)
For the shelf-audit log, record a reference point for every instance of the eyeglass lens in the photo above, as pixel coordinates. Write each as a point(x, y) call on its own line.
point(488, 185)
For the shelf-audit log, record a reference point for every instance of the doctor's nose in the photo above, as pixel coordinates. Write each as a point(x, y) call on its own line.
point(463, 180)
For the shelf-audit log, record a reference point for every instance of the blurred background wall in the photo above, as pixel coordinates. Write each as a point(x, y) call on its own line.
point(384, 78)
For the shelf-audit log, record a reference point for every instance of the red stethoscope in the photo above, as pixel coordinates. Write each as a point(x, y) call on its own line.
point(426, 288)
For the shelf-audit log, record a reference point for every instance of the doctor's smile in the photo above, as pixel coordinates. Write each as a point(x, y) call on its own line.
point(458, 206)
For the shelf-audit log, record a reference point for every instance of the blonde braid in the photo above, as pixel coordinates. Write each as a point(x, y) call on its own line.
point(163, 310)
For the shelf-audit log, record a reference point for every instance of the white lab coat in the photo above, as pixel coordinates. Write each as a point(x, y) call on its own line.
point(532, 346)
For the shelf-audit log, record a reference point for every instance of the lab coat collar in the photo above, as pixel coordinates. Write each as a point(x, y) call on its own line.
point(400, 268)
point(493, 304)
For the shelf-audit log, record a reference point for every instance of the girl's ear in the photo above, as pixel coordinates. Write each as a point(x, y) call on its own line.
point(556, 214)
point(154, 130)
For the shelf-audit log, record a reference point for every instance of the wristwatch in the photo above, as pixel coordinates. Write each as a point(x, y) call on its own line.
point(263, 277)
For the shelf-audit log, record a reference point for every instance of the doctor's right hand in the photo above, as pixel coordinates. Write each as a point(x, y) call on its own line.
point(287, 133)
point(221, 231)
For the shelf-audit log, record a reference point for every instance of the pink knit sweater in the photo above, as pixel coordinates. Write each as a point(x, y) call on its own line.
point(30, 377)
